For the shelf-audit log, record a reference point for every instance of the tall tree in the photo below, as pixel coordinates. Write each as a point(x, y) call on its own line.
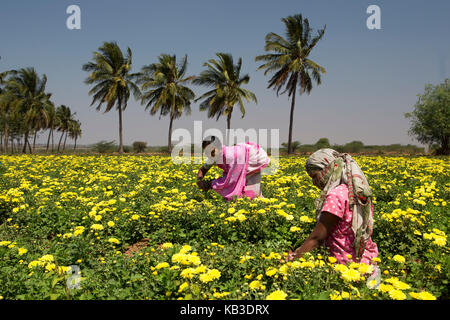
point(52, 122)
point(164, 89)
point(226, 80)
point(64, 119)
point(430, 119)
point(112, 80)
point(28, 90)
point(75, 131)
point(289, 60)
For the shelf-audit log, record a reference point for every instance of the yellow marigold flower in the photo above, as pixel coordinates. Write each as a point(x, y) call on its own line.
point(162, 265)
point(22, 251)
point(78, 230)
point(351, 275)
point(365, 268)
point(332, 259)
point(294, 229)
point(50, 267)
point(135, 217)
point(47, 258)
point(422, 295)
point(399, 258)
point(255, 284)
point(188, 273)
point(277, 295)
point(97, 227)
point(271, 271)
point(231, 210)
point(340, 268)
point(167, 245)
point(210, 276)
point(34, 264)
point(185, 249)
point(397, 295)
point(183, 286)
point(385, 288)
point(335, 295)
point(440, 241)
point(113, 240)
point(110, 224)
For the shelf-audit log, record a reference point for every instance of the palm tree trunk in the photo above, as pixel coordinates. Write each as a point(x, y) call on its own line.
point(52, 139)
point(60, 139)
point(64, 146)
point(291, 121)
point(229, 121)
point(120, 130)
point(5, 136)
point(170, 134)
point(34, 139)
point(75, 145)
point(24, 150)
point(29, 146)
point(48, 140)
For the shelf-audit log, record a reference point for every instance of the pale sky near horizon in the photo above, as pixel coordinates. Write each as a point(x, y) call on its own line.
point(373, 76)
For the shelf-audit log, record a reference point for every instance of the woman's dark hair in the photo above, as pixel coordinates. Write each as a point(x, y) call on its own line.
point(208, 140)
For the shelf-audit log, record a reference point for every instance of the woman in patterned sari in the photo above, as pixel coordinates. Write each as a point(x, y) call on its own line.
point(344, 209)
point(241, 165)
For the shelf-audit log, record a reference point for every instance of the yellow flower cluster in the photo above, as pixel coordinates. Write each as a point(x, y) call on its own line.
point(439, 237)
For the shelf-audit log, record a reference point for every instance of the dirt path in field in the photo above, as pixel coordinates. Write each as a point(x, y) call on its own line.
point(136, 247)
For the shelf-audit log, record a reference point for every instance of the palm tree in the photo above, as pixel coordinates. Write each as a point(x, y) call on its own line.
point(8, 111)
point(64, 118)
point(289, 60)
point(52, 121)
point(110, 74)
point(28, 90)
point(225, 78)
point(75, 131)
point(164, 90)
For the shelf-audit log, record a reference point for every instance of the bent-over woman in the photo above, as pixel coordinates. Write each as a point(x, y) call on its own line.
point(344, 209)
point(241, 164)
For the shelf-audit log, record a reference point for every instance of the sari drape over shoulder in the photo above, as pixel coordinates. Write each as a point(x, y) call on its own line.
point(239, 161)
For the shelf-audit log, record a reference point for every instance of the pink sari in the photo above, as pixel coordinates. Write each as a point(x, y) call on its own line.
point(235, 169)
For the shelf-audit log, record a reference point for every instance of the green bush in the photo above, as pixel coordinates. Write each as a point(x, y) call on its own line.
point(139, 146)
point(105, 146)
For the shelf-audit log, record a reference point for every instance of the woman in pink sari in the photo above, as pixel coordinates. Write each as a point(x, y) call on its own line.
point(241, 165)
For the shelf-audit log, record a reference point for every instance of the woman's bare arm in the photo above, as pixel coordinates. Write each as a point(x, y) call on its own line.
point(324, 226)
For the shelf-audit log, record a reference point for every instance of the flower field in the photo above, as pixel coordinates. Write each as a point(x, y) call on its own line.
point(137, 227)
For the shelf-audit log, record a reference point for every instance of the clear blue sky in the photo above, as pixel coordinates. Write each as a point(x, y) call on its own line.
point(372, 79)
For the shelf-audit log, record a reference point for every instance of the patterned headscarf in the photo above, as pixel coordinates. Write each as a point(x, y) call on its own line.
point(339, 168)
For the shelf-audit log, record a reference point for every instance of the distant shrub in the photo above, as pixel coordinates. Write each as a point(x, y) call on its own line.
point(127, 149)
point(295, 145)
point(322, 143)
point(139, 146)
point(105, 146)
point(354, 146)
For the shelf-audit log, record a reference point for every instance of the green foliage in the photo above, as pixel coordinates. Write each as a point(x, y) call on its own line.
point(322, 143)
point(105, 146)
point(430, 120)
point(225, 79)
point(354, 147)
point(152, 198)
point(139, 146)
point(288, 60)
point(295, 145)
